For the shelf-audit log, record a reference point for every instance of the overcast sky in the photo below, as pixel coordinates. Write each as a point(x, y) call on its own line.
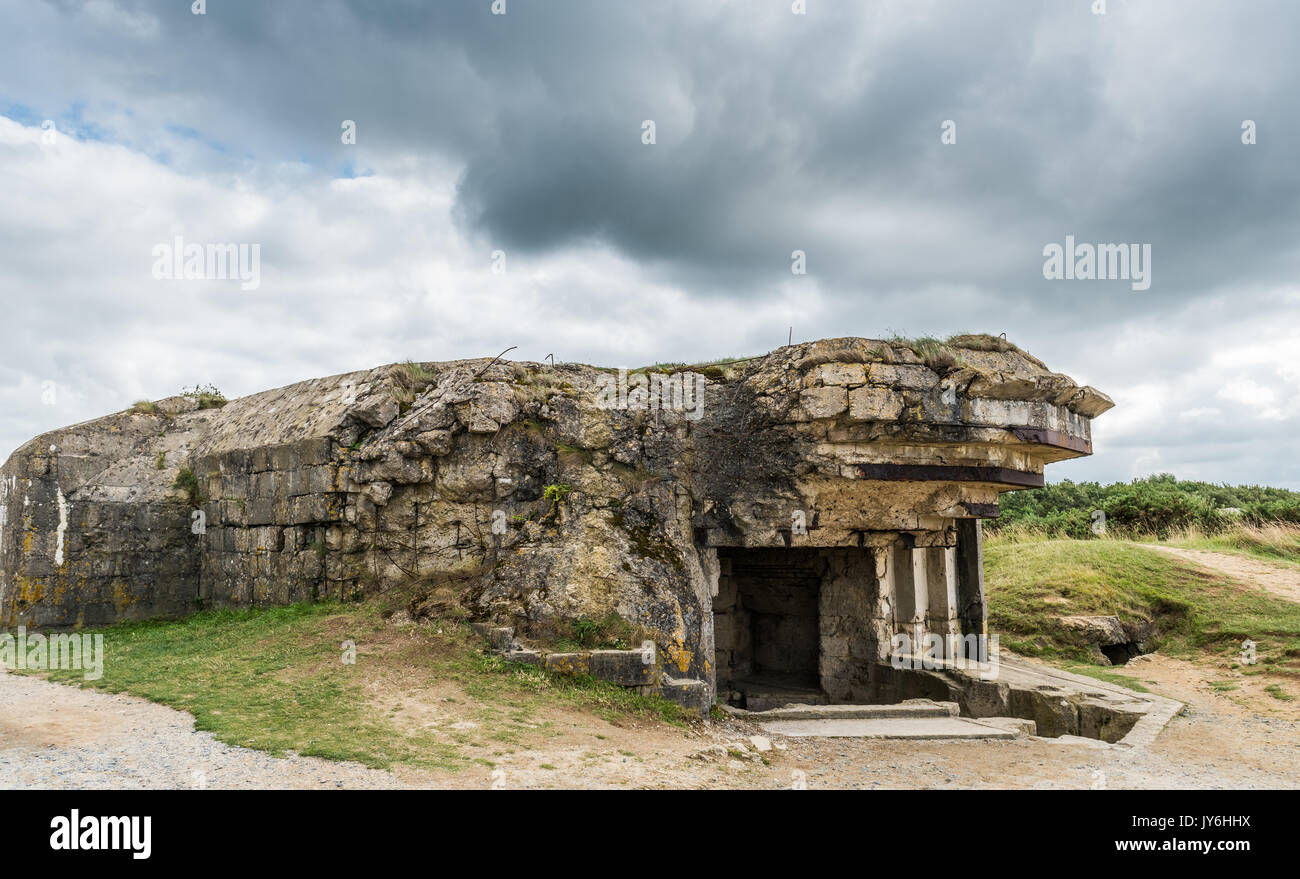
point(773, 132)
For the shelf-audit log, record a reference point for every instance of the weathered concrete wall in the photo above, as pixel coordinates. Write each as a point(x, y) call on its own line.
point(436, 479)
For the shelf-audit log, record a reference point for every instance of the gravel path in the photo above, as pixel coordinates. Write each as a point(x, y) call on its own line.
point(57, 736)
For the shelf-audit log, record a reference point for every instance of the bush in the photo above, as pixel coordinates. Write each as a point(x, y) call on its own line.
point(1155, 505)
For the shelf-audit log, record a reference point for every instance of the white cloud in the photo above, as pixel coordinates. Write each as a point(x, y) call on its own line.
point(355, 272)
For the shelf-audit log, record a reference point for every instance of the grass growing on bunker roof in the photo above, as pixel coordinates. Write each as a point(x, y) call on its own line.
point(424, 696)
point(206, 396)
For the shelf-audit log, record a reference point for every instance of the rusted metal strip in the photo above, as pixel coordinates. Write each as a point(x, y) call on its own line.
point(949, 473)
point(982, 511)
point(1052, 438)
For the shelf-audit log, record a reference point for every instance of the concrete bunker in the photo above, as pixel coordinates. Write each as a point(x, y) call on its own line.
point(779, 526)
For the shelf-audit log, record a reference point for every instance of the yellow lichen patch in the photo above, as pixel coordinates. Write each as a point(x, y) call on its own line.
point(570, 663)
point(30, 591)
point(122, 597)
point(679, 656)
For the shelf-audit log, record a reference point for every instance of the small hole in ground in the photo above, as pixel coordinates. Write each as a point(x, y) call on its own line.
point(1120, 654)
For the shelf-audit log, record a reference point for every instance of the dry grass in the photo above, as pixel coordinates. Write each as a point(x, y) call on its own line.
point(1274, 541)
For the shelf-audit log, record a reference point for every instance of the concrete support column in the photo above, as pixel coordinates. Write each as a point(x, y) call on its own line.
point(910, 579)
point(884, 604)
point(972, 615)
point(941, 589)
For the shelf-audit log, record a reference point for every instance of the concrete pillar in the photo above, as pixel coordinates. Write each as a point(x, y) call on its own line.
point(972, 615)
point(910, 584)
point(941, 588)
point(884, 606)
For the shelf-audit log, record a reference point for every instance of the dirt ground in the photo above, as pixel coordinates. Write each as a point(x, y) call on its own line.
point(57, 736)
point(1233, 734)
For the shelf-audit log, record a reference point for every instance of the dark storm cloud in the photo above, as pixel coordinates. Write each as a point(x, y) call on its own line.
point(764, 119)
point(775, 132)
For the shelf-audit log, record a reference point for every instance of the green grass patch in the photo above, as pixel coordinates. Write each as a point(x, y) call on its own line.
point(274, 680)
point(1101, 673)
point(189, 483)
point(1276, 691)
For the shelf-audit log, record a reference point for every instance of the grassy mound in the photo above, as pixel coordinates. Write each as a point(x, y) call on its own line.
point(1194, 612)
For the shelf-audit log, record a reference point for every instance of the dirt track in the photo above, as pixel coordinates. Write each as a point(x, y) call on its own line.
point(1281, 580)
point(58, 736)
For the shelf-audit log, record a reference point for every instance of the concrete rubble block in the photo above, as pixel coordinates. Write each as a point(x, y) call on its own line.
point(434, 442)
point(379, 492)
point(874, 404)
point(840, 374)
point(282, 457)
point(500, 638)
point(232, 512)
point(318, 479)
point(263, 485)
point(625, 667)
point(261, 511)
point(687, 692)
point(260, 459)
point(316, 451)
point(408, 449)
point(391, 467)
point(569, 663)
point(523, 656)
point(1099, 629)
point(314, 508)
point(464, 480)
point(294, 482)
point(376, 409)
point(823, 402)
point(916, 378)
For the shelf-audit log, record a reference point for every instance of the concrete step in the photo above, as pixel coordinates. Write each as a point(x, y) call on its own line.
point(890, 728)
point(912, 709)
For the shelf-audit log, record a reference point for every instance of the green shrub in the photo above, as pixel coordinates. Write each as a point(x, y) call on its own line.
point(1153, 506)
